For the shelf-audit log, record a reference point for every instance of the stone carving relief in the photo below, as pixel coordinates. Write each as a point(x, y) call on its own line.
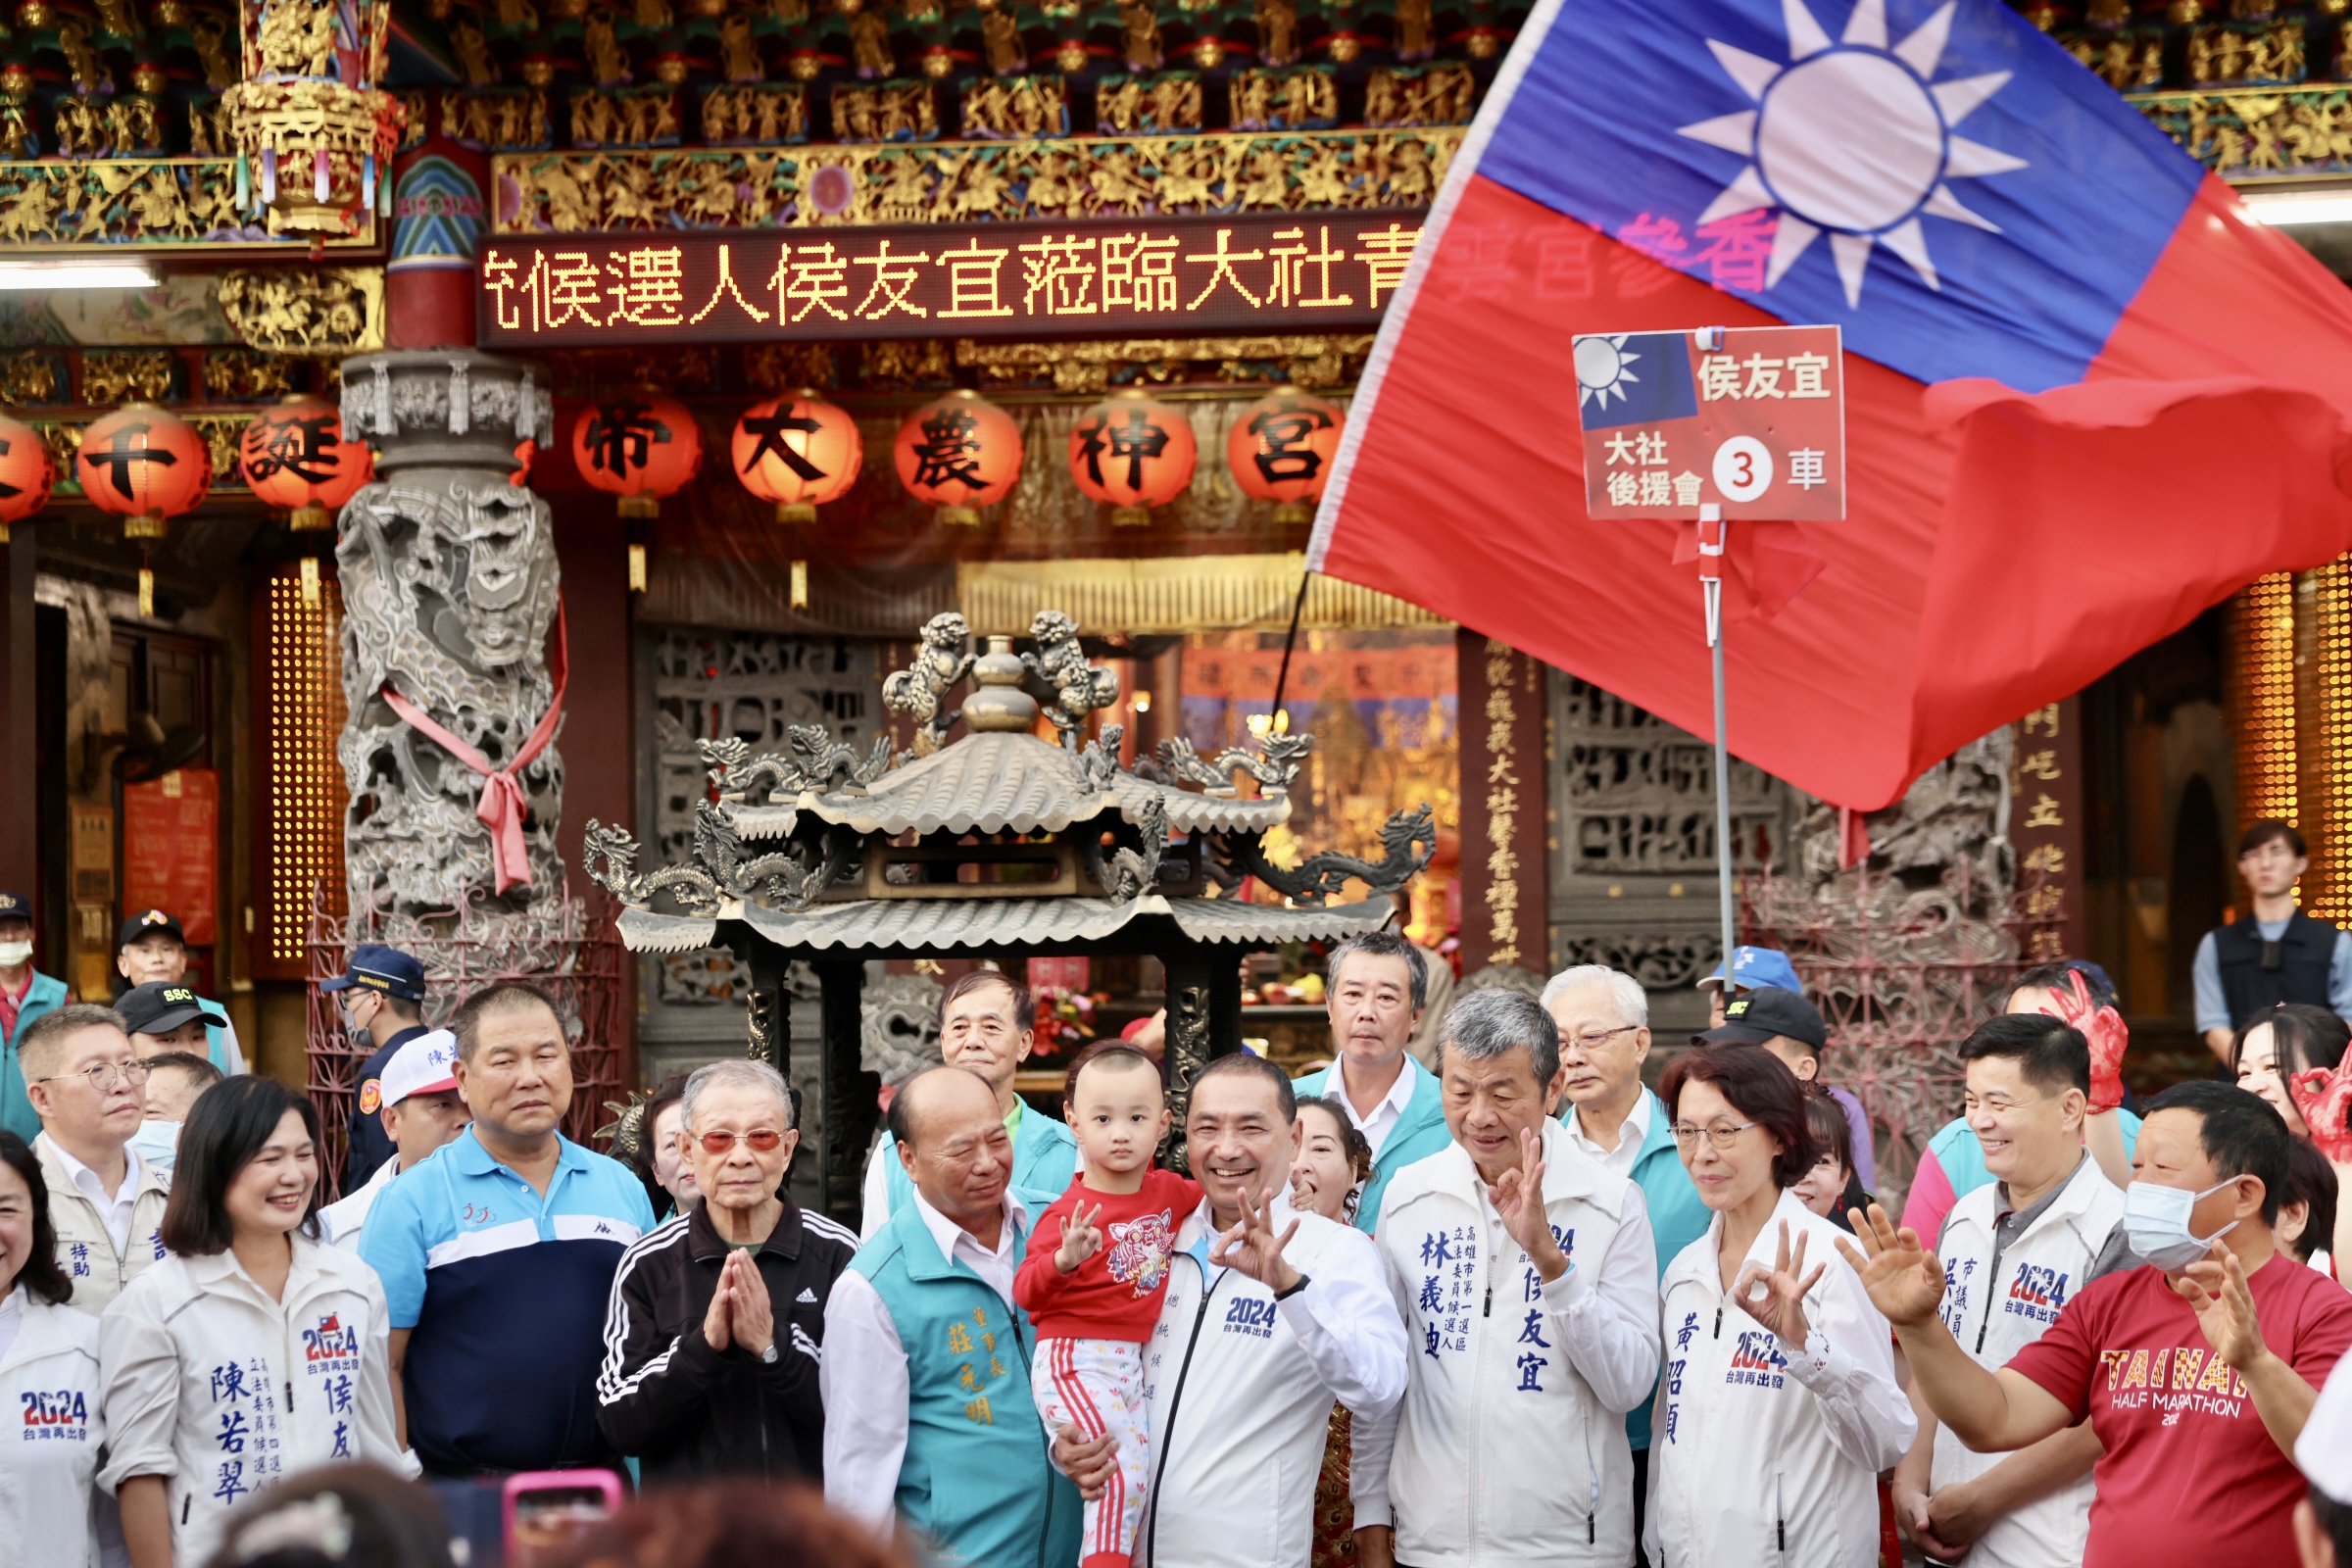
point(450, 588)
point(902, 1026)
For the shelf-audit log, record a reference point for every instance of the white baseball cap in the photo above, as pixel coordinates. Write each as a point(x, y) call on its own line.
point(420, 1067)
point(2323, 1452)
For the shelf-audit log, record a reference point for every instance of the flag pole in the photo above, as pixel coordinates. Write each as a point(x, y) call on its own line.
point(1713, 534)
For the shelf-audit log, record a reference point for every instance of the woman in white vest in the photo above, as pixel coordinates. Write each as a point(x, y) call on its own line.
point(2014, 1254)
point(1527, 1279)
point(51, 1425)
point(1779, 1406)
point(253, 1351)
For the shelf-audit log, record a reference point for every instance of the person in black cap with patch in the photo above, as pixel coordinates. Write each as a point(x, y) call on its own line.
point(151, 948)
point(24, 995)
point(384, 1007)
point(1788, 1026)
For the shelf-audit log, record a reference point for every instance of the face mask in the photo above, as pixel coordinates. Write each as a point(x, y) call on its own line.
point(2156, 1220)
point(157, 1143)
point(13, 953)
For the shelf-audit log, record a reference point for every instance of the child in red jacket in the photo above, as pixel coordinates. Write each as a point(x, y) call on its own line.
point(1092, 1283)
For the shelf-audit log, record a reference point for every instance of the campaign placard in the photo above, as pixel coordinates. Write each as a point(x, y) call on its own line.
point(1751, 420)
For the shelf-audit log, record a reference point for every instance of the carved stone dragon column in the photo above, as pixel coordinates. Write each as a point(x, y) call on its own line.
point(450, 590)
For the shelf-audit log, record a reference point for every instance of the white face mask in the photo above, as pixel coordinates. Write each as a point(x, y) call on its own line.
point(13, 953)
point(157, 1143)
point(2156, 1221)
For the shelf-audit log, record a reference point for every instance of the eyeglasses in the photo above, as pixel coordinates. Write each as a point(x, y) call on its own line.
point(101, 1078)
point(765, 1141)
point(1595, 1039)
point(1721, 1135)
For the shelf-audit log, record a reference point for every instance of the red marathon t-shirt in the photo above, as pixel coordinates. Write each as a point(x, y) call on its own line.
point(2190, 1476)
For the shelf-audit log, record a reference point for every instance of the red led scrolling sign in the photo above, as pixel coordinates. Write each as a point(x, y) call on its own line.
point(1254, 272)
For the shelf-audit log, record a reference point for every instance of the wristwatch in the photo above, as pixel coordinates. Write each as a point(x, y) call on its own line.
point(768, 1357)
point(1285, 1295)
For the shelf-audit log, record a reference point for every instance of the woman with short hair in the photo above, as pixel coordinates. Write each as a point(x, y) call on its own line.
point(1779, 1405)
point(51, 1424)
point(252, 1350)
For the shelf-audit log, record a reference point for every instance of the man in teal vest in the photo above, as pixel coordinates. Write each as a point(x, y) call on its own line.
point(152, 947)
point(928, 1415)
point(24, 995)
point(1379, 983)
point(986, 1025)
point(1605, 1036)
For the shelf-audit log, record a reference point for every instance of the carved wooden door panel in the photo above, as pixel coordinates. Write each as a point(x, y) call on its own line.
point(1633, 845)
point(700, 685)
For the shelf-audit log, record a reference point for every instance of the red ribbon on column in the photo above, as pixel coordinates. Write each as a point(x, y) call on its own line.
point(501, 807)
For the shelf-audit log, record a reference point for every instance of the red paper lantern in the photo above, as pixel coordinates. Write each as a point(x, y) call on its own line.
point(146, 465)
point(295, 458)
point(1281, 449)
point(640, 447)
point(958, 453)
point(25, 473)
point(1134, 453)
point(799, 452)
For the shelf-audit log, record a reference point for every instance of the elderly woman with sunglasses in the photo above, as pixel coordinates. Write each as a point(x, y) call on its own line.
point(711, 1340)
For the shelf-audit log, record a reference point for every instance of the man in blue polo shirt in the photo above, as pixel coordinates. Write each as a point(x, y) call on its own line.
point(497, 1254)
point(1379, 986)
point(380, 996)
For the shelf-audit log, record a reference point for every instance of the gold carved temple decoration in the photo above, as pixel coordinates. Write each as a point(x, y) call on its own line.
point(939, 182)
point(292, 310)
point(185, 204)
point(1087, 366)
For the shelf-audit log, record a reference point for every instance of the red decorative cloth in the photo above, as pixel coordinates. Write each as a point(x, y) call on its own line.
point(500, 805)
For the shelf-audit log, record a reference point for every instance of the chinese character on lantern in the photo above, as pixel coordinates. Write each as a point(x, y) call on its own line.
point(799, 453)
point(1132, 453)
point(958, 453)
point(25, 473)
point(1281, 449)
point(295, 458)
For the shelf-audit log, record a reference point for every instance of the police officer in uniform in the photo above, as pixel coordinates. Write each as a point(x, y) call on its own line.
point(382, 1002)
point(2276, 953)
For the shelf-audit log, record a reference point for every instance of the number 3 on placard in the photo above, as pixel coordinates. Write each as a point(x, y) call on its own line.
point(1743, 469)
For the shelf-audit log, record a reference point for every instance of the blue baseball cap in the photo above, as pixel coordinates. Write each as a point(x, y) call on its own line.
point(387, 969)
point(14, 907)
point(1758, 966)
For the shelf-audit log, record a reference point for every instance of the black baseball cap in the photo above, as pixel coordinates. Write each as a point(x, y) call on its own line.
point(14, 907)
point(146, 923)
point(1754, 1016)
point(158, 1007)
point(379, 968)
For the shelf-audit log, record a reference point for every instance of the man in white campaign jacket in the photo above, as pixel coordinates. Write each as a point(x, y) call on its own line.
point(224, 1392)
point(1528, 1282)
point(1271, 1314)
point(2014, 1254)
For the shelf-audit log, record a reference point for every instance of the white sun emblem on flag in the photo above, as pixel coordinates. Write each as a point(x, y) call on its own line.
point(1854, 138)
point(1604, 369)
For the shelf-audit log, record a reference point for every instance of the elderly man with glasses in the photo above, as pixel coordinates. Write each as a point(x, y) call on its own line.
point(711, 1340)
point(1603, 1018)
point(106, 1203)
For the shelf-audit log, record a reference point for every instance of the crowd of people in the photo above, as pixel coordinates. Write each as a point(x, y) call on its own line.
point(1515, 1307)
